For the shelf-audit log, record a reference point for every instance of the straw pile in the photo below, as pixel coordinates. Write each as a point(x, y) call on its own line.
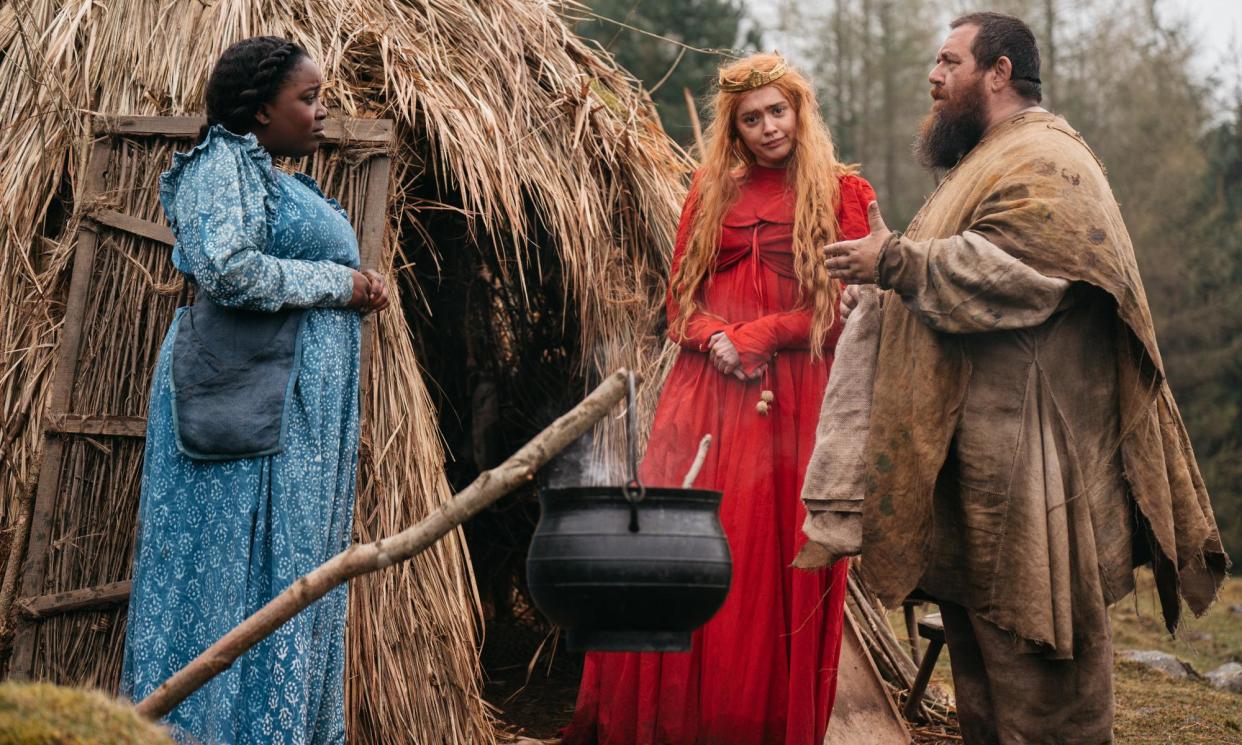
point(502, 115)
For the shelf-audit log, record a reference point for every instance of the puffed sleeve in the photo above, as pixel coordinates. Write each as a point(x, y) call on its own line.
point(218, 203)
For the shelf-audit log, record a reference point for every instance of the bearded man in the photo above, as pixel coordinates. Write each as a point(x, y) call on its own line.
point(1018, 449)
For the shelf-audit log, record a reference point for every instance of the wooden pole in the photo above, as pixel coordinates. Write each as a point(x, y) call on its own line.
point(17, 549)
point(362, 559)
point(694, 122)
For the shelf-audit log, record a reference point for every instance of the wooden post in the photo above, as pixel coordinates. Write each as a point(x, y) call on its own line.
point(371, 231)
point(362, 559)
point(912, 630)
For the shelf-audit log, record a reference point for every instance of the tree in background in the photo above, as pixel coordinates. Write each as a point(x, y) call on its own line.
point(1120, 71)
point(1202, 325)
point(1125, 79)
point(869, 60)
point(696, 24)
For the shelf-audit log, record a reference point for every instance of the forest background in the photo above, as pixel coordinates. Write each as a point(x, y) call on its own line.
point(1162, 109)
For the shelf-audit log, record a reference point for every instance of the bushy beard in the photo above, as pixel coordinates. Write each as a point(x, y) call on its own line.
point(947, 134)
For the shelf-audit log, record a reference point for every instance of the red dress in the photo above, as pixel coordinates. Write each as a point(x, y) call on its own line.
point(763, 671)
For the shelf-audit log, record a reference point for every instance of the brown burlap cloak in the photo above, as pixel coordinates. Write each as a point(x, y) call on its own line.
point(1034, 187)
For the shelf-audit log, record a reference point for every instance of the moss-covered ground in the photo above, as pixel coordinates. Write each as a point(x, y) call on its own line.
point(42, 714)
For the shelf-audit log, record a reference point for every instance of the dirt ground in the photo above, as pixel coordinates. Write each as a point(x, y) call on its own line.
point(541, 708)
point(1152, 708)
point(530, 679)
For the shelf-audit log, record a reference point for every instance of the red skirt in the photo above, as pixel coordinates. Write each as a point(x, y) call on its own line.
point(764, 669)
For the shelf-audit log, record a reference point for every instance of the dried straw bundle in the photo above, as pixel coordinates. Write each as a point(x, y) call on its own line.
point(496, 102)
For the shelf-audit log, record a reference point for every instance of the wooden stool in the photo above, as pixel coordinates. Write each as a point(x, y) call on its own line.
point(912, 631)
point(931, 628)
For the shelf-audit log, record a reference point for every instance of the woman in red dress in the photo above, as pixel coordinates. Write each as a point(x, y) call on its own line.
point(753, 308)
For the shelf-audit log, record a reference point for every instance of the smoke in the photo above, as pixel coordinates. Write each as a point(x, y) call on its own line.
point(577, 465)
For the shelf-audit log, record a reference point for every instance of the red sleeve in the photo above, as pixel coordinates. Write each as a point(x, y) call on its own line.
point(701, 325)
point(757, 340)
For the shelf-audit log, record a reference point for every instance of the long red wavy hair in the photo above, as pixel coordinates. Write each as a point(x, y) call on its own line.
point(814, 172)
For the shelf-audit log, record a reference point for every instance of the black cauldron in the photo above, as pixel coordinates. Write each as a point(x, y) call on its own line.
point(615, 589)
point(627, 568)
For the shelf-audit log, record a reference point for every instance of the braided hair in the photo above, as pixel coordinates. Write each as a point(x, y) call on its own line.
point(248, 75)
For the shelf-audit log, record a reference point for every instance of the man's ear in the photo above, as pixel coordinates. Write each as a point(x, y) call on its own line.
point(1003, 73)
point(264, 115)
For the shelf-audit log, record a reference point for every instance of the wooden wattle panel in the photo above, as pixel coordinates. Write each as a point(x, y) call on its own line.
point(46, 495)
point(122, 296)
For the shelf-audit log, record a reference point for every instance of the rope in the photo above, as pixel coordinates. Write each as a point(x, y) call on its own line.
point(690, 47)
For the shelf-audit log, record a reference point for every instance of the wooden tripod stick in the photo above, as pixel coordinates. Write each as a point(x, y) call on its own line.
point(362, 559)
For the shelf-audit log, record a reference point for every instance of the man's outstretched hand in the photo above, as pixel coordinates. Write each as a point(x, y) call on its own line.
point(855, 262)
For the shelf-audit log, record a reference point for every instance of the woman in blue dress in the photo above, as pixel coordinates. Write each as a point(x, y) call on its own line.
point(252, 434)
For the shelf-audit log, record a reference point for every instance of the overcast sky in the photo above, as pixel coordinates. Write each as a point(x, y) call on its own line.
point(1218, 24)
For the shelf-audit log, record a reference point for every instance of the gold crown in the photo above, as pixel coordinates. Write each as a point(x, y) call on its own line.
point(754, 79)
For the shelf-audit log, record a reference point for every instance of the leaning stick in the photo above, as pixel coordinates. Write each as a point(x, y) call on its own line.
point(17, 549)
point(694, 122)
point(362, 559)
point(697, 465)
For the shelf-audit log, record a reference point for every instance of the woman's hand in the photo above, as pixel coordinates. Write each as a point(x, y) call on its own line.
point(359, 299)
point(849, 301)
point(378, 294)
point(370, 292)
point(724, 356)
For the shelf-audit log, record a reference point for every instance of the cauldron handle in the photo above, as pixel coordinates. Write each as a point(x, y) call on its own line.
point(633, 490)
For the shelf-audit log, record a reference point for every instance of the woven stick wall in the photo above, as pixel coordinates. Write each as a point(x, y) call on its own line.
point(498, 107)
point(90, 533)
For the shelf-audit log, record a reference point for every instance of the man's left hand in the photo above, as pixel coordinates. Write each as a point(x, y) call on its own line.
point(855, 262)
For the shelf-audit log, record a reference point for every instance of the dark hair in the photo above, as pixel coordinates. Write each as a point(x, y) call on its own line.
point(1002, 35)
point(246, 76)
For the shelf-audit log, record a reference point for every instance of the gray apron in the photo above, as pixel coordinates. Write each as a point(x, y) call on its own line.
point(232, 374)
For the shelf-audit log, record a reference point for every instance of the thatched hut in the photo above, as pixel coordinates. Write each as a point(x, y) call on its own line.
point(532, 201)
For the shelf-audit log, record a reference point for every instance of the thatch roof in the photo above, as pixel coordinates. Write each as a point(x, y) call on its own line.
point(503, 116)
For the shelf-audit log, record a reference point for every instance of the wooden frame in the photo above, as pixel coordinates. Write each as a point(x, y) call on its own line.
point(35, 602)
point(341, 131)
point(33, 569)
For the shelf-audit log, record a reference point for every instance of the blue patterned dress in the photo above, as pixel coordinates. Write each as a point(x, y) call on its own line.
point(218, 539)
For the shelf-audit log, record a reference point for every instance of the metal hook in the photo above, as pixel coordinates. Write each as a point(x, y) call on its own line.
point(633, 490)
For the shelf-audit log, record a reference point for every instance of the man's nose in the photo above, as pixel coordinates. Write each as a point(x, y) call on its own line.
point(934, 77)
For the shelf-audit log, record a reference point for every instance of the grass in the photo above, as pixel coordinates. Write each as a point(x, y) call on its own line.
point(1154, 708)
point(1205, 642)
